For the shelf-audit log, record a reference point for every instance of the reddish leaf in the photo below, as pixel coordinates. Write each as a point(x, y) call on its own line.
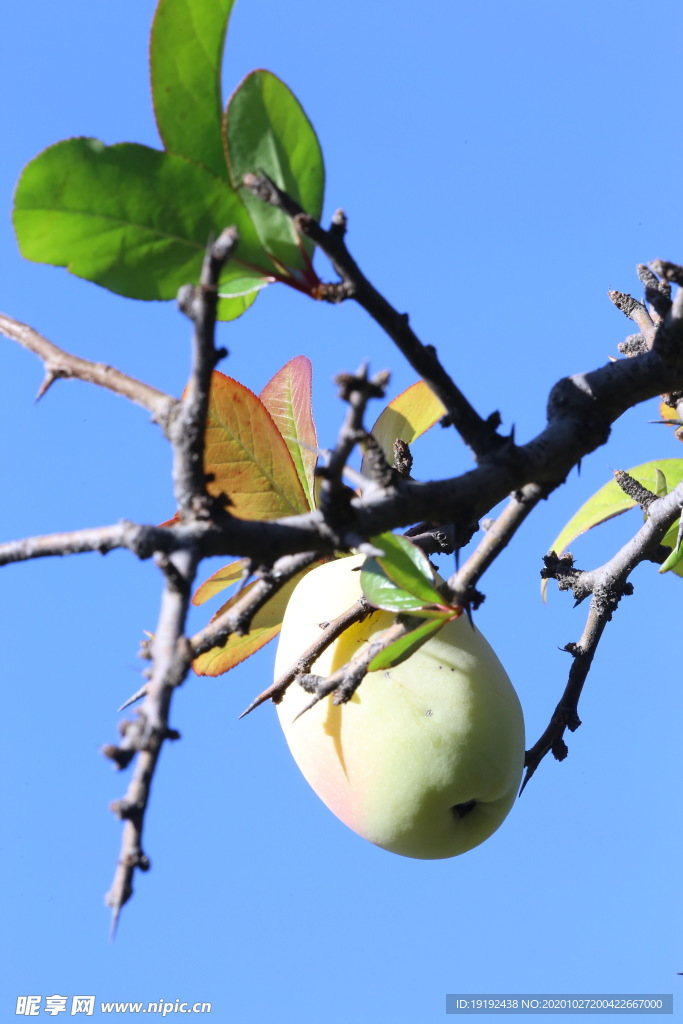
point(287, 397)
point(247, 455)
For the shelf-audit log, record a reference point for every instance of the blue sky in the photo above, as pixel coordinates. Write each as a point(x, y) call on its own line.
point(502, 166)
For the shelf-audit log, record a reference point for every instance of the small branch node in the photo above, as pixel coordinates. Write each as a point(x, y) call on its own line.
point(672, 272)
point(121, 758)
point(403, 459)
point(338, 224)
point(633, 345)
point(634, 490)
point(174, 578)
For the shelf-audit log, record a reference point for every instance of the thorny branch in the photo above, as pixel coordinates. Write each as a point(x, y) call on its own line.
point(581, 410)
point(607, 585)
point(496, 537)
point(335, 497)
point(237, 618)
point(329, 632)
point(171, 652)
point(480, 434)
point(60, 364)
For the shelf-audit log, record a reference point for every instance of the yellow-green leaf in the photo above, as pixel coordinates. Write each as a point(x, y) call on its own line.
point(219, 581)
point(408, 416)
point(611, 501)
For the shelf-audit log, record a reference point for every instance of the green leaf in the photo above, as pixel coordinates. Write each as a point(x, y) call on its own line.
point(382, 592)
point(266, 129)
point(407, 417)
point(287, 397)
point(186, 50)
point(232, 306)
point(246, 455)
point(674, 539)
point(611, 501)
point(408, 567)
point(407, 645)
point(129, 218)
point(661, 489)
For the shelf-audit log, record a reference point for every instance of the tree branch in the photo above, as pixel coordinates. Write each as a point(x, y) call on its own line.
point(330, 631)
point(187, 435)
point(581, 410)
point(237, 618)
point(497, 537)
point(344, 682)
point(171, 651)
point(61, 364)
point(479, 434)
point(335, 497)
point(607, 586)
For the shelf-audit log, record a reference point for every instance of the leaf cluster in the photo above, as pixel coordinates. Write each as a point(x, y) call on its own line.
point(136, 220)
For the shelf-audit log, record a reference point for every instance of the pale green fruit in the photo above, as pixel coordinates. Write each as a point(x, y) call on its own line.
point(426, 758)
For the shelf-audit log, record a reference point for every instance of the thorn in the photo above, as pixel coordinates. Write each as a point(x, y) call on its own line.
point(316, 700)
point(49, 379)
point(529, 772)
point(115, 915)
point(256, 702)
point(142, 692)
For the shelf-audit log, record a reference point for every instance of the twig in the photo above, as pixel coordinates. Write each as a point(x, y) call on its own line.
point(607, 586)
point(329, 633)
point(61, 364)
point(141, 540)
point(657, 293)
point(479, 434)
point(668, 271)
point(496, 538)
point(237, 618)
point(200, 304)
point(637, 312)
point(345, 681)
point(335, 498)
point(634, 489)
